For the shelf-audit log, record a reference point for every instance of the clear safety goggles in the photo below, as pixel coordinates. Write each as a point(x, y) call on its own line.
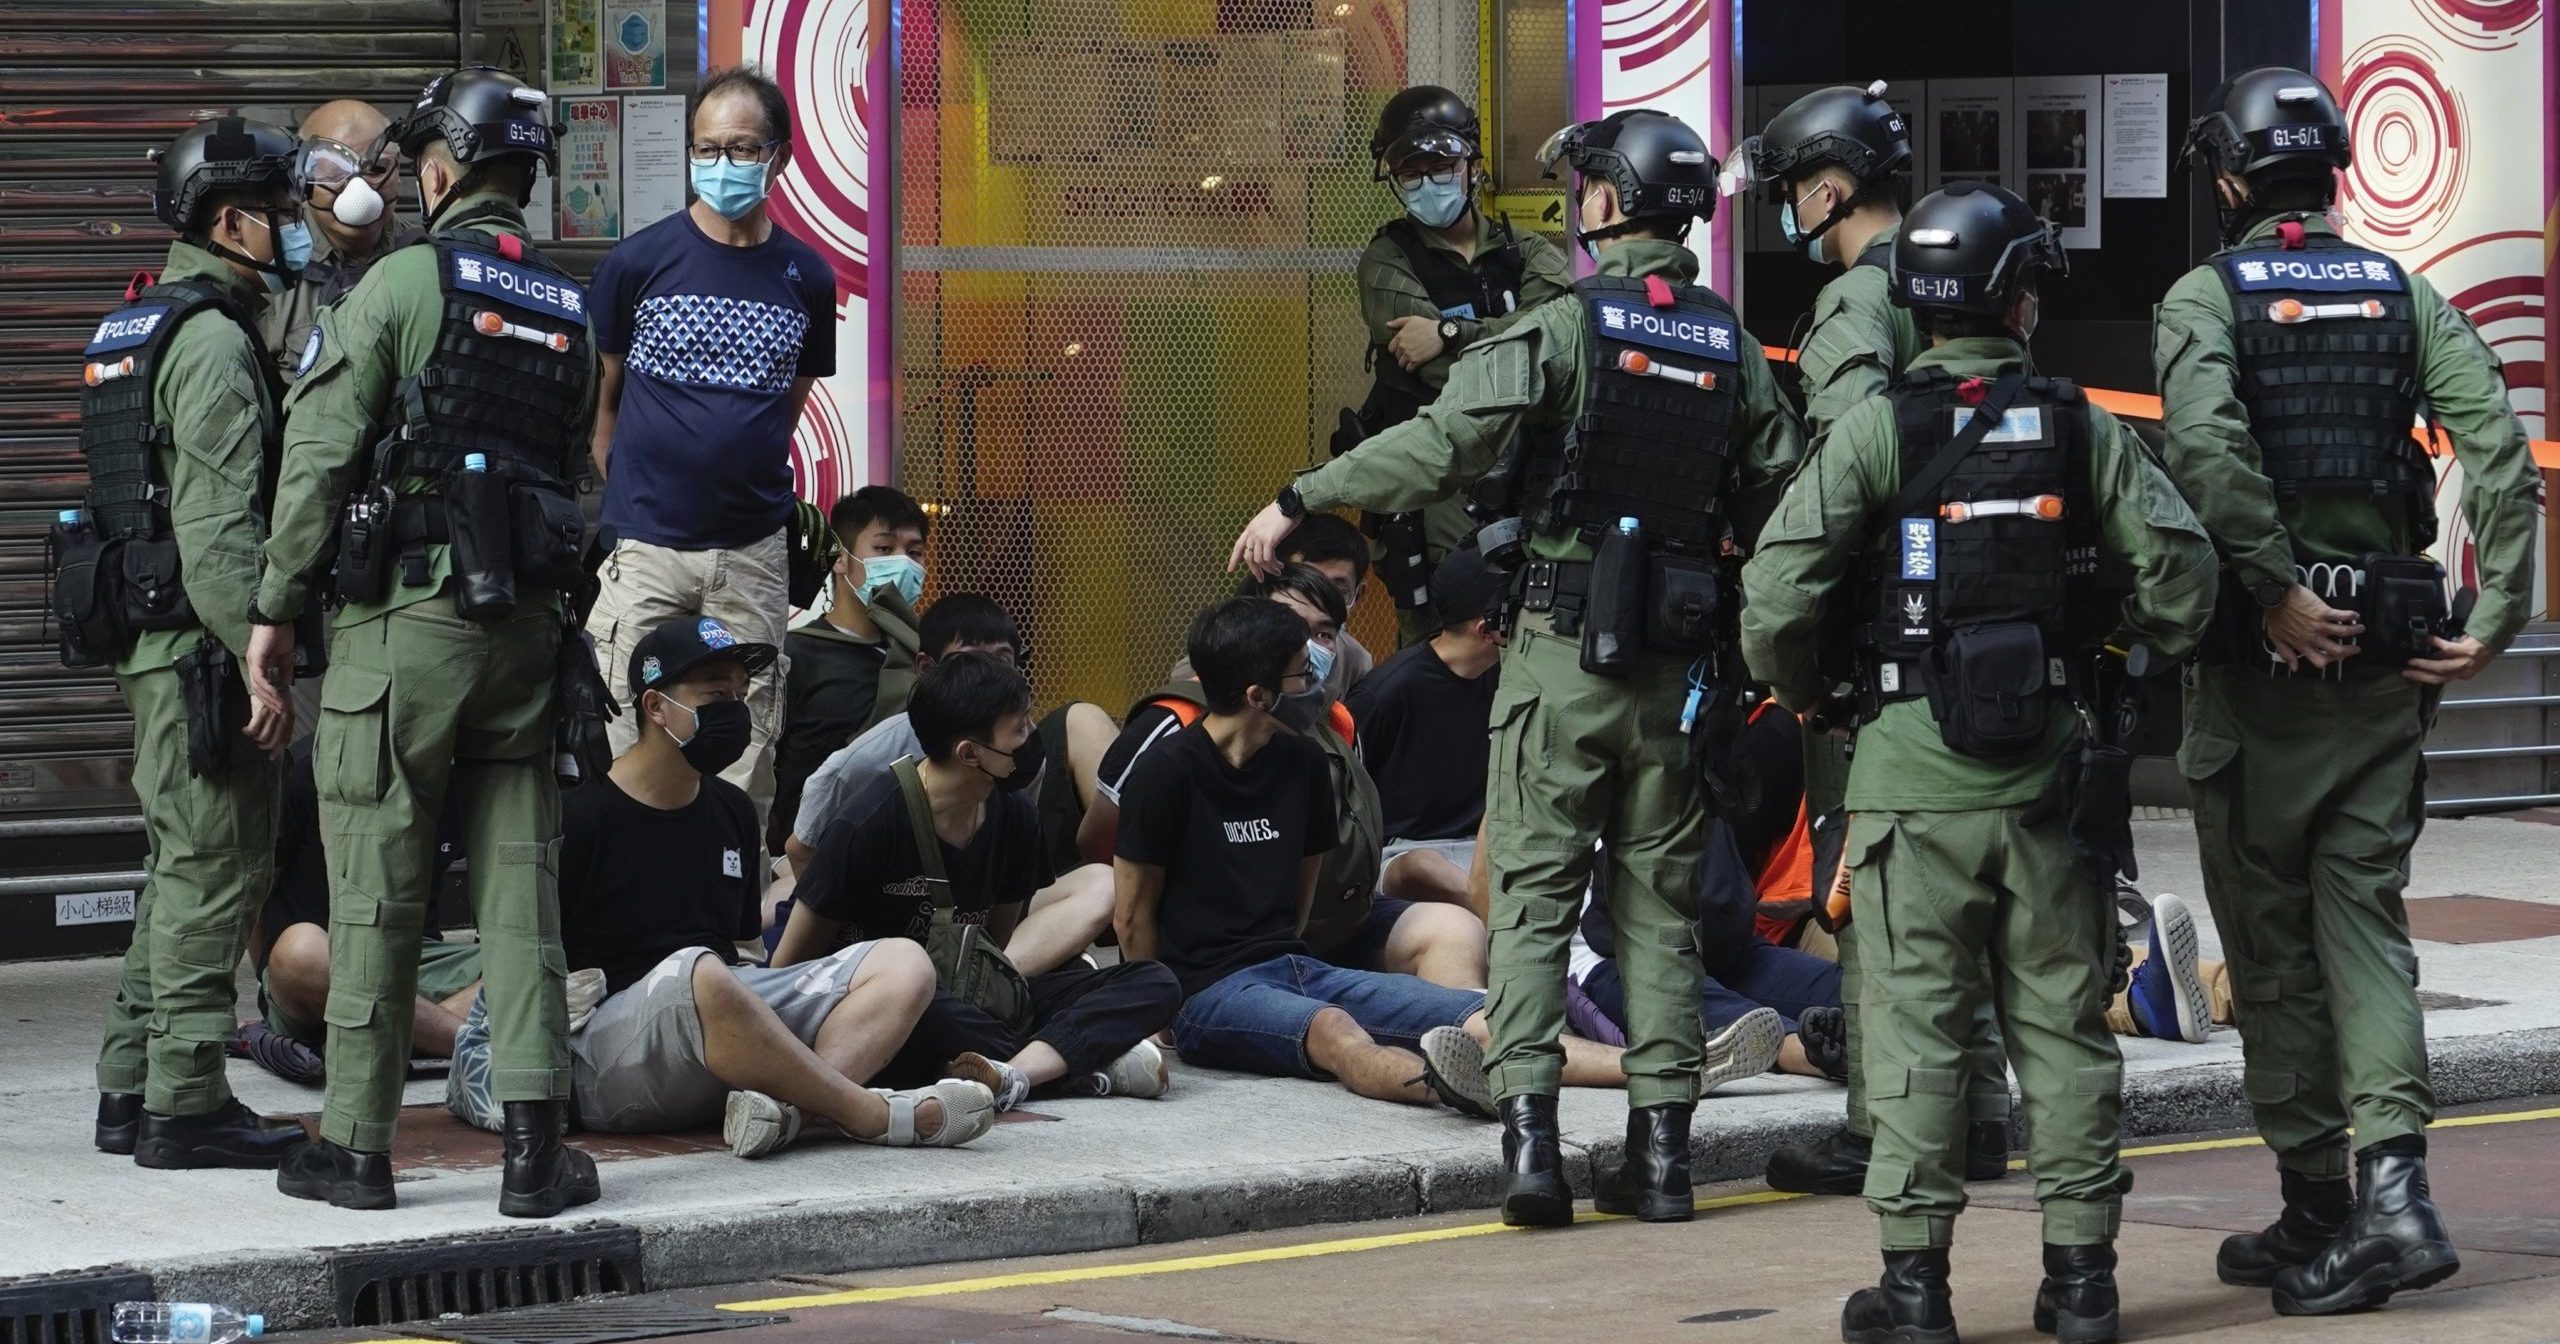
point(323, 162)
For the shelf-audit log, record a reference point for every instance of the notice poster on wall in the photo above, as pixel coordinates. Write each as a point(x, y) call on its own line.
point(591, 169)
point(653, 160)
point(1969, 131)
point(2058, 152)
point(635, 44)
point(511, 38)
point(542, 210)
point(2137, 135)
point(576, 43)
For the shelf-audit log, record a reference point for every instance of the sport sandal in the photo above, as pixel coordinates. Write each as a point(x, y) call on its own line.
point(968, 1111)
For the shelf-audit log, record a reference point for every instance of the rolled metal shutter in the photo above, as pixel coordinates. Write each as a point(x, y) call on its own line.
point(86, 89)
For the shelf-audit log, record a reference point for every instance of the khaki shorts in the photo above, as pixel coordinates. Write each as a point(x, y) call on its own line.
point(444, 970)
point(637, 1066)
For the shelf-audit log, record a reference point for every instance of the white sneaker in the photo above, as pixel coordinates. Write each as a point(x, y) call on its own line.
point(1139, 1072)
point(756, 1124)
point(1746, 1049)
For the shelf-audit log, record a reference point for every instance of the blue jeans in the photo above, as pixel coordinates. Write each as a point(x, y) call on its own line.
point(1257, 1019)
point(1762, 975)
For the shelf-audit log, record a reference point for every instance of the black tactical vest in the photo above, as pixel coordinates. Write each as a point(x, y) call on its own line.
point(2328, 345)
point(1488, 289)
point(2011, 537)
point(1653, 440)
point(510, 376)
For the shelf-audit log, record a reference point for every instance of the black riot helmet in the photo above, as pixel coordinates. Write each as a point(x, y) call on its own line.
point(480, 113)
point(1661, 169)
point(1851, 128)
point(226, 154)
point(1423, 121)
point(2271, 122)
point(1971, 248)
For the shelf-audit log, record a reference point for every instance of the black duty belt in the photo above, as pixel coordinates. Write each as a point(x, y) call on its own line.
point(1560, 587)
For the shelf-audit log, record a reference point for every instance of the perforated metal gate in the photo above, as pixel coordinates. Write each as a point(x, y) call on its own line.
point(1126, 307)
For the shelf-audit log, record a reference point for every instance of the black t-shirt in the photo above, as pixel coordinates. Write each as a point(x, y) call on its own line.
point(866, 875)
point(1422, 735)
point(639, 883)
point(301, 891)
point(830, 693)
point(1230, 842)
point(1147, 725)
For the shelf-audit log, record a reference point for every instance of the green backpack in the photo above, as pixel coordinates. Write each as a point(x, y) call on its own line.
point(965, 956)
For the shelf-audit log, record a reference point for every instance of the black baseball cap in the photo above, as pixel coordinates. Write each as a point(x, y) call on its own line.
point(666, 654)
point(1465, 587)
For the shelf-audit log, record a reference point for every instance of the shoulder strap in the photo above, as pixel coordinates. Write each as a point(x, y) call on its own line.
point(928, 844)
point(1878, 254)
point(1405, 234)
point(1920, 489)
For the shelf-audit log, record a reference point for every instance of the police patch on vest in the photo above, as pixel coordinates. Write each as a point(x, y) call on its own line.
point(520, 285)
point(1465, 310)
point(2325, 271)
point(1914, 610)
point(127, 328)
point(1920, 548)
point(2022, 424)
point(310, 353)
point(1687, 333)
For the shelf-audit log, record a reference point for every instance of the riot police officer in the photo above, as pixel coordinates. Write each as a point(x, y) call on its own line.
point(446, 404)
point(1958, 520)
point(1673, 442)
point(1433, 281)
point(178, 424)
point(1835, 157)
point(2291, 365)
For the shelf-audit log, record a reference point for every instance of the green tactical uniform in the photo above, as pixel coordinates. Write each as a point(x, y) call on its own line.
point(2308, 789)
point(418, 700)
point(1860, 342)
point(1943, 868)
point(292, 316)
point(212, 840)
point(1390, 288)
point(1577, 757)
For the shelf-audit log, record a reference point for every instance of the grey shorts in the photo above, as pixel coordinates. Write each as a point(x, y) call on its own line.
point(1459, 852)
point(637, 1065)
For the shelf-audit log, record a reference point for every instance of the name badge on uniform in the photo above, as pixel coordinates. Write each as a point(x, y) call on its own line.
point(731, 865)
point(519, 285)
point(1463, 310)
point(2329, 271)
point(127, 328)
point(1920, 548)
point(1686, 333)
point(2022, 424)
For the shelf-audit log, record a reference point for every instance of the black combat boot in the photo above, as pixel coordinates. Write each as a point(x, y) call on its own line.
point(1533, 1190)
point(344, 1177)
point(1836, 1164)
point(2394, 1241)
point(233, 1136)
point(1652, 1179)
point(1986, 1150)
point(119, 1115)
point(2076, 1304)
point(544, 1174)
point(1909, 1305)
point(2314, 1213)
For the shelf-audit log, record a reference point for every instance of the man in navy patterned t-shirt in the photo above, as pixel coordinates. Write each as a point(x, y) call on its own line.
point(712, 324)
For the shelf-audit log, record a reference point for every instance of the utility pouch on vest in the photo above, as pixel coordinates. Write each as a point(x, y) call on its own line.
point(1683, 601)
point(310, 643)
point(147, 580)
point(217, 702)
point(1614, 619)
point(1987, 689)
point(965, 956)
point(481, 517)
point(85, 604)
point(550, 537)
point(1403, 565)
point(2403, 606)
point(366, 546)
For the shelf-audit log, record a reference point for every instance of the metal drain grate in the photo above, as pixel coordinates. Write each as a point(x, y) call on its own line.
point(74, 1306)
point(383, 1283)
point(599, 1323)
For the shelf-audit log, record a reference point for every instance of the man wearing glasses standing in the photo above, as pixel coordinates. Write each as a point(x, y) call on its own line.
point(712, 324)
point(349, 170)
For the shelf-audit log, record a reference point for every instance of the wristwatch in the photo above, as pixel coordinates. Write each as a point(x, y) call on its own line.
point(257, 617)
point(1449, 332)
point(2270, 594)
point(1290, 505)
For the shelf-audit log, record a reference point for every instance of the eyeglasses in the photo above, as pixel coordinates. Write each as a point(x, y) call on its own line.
point(1408, 179)
point(1306, 681)
point(743, 155)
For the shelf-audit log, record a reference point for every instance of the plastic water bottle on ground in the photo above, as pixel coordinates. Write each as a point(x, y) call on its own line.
point(183, 1323)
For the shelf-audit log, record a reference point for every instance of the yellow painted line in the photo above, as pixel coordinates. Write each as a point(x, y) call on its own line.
point(1354, 1245)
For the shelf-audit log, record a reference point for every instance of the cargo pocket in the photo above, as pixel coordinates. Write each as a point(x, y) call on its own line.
point(1862, 854)
point(2269, 1087)
point(355, 710)
point(2206, 753)
point(2099, 1080)
point(1506, 796)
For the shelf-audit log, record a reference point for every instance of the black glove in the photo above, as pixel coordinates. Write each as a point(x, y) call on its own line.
point(584, 707)
point(2121, 975)
point(2093, 795)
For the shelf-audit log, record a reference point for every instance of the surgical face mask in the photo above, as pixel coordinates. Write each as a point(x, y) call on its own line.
point(1794, 229)
point(721, 730)
point(901, 572)
point(731, 189)
point(1434, 204)
point(1319, 663)
point(1027, 760)
point(357, 205)
point(293, 252)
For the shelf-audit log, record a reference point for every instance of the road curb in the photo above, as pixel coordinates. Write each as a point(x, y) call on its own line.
point(787, 1238)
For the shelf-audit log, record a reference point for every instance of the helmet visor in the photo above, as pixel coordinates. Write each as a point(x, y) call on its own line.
point(1559, 147)
point(1740, 172)
point(1426, 142)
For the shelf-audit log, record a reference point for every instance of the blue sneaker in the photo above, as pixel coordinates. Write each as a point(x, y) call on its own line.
point(2168, 990)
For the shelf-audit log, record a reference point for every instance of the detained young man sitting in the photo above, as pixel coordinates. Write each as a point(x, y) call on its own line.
point(1222, 826)
point(660, 879)
point(953, 840)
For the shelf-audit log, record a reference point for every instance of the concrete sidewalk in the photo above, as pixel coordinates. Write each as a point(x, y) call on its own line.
point(1224, 1153)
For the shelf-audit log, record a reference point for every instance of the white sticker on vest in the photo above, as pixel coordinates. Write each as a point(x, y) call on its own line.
point(2023, 424)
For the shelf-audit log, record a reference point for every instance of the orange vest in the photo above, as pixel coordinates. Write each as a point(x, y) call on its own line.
point(1187, 711)
point(1785, 878)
